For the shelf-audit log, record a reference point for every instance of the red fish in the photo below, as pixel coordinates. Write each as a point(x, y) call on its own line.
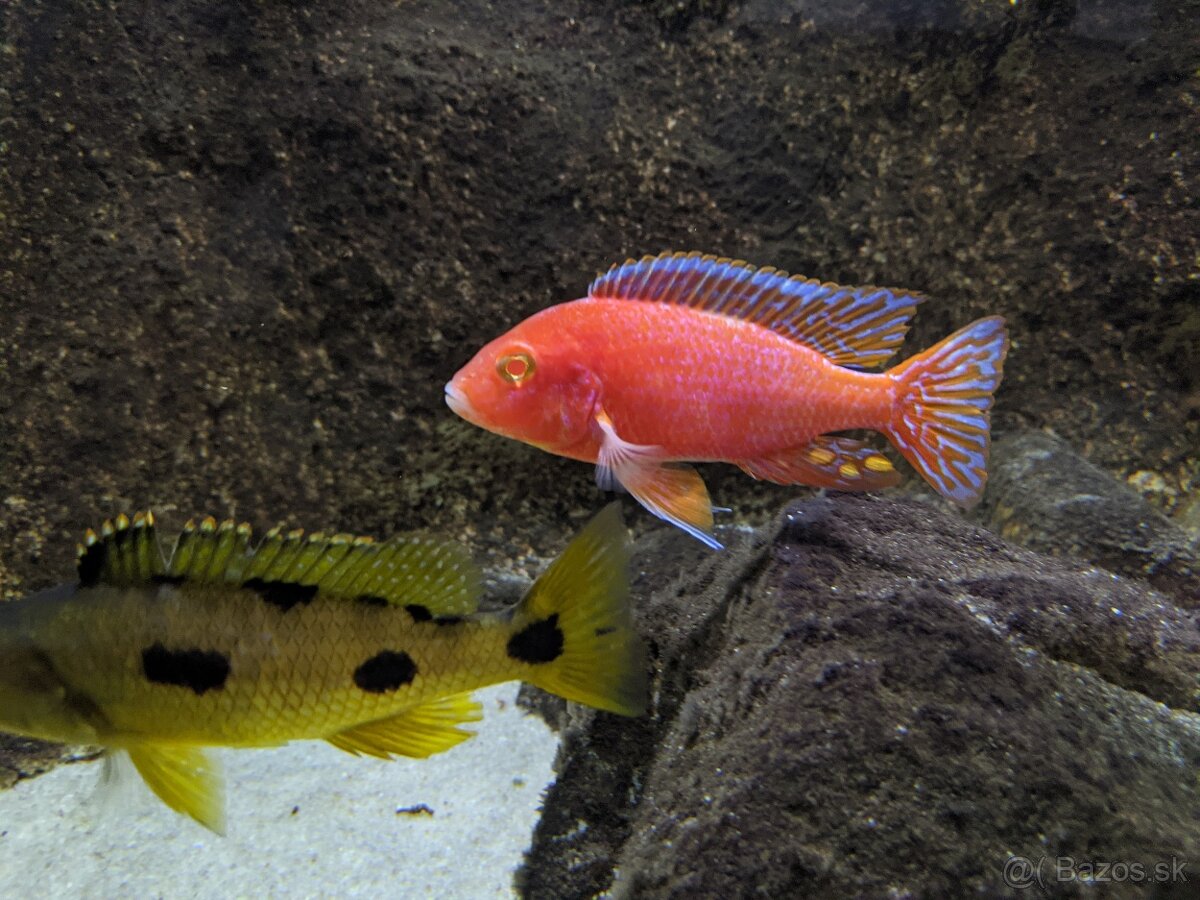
point(689, 357)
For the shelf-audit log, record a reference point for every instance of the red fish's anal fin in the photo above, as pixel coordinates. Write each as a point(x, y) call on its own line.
point(859, 326)
point(940, 417)
point(671, 491)
point(839, 463)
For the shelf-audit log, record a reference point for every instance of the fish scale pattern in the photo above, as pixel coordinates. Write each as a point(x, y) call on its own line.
point(291, 673)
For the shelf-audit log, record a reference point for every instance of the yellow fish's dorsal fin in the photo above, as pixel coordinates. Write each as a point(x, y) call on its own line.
point(185, 778)
point(418, 732)
point(851, 326)
point(124, 553)
point(209, 552)
point(438, 576)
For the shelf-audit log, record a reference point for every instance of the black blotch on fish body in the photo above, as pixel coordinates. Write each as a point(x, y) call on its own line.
point(421, 613)
point(386, 671)
point(538, 642)
point(283, 594)
point(371, 600)
point(91, 563)
point(197, 670)
point(175, 580)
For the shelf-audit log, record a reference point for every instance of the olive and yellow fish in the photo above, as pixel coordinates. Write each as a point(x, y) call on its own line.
point(373, 647)
point(684, 357)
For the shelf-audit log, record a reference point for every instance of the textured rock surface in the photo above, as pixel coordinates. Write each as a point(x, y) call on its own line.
point(874, 698)
point(1045, 496)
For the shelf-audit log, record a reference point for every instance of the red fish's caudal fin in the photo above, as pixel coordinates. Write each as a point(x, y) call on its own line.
point(940, 415)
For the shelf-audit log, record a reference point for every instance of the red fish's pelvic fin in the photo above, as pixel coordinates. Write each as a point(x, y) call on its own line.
point(839, 463)
point(851, 326)
point(672, 492)
point(940, 419)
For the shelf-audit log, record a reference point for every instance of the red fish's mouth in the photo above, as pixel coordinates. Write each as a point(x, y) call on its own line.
point(459, 403)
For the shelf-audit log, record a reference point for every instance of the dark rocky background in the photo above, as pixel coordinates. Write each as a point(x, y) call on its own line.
point(243, 246)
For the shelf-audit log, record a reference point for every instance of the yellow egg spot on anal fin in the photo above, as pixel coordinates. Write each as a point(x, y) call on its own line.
point(185, 779)
point(418, 732)
point(829, 461)
point(879, 464)
point(821, 456)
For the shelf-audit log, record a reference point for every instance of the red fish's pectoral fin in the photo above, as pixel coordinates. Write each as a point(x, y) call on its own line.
point(185, 779)
point(672, 492)
point(418, 732)
point(839, 463)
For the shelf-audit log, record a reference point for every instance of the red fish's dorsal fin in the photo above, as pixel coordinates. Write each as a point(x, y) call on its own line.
point(852, 326)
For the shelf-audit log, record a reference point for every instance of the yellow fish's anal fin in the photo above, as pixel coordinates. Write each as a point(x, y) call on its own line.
point(839, 463)
point(185, 778)
point(852, 326)
point(573, 631)
point(438, 575)
point(124, 553)
point(671, 491)
point(418, 732)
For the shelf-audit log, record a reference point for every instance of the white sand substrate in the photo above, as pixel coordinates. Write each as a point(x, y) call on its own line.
point(59, 838)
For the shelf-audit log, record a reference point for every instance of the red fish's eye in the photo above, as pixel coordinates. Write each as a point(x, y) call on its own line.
point(515, 368)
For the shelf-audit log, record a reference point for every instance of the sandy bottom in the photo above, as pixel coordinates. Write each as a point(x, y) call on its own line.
point(302, 820)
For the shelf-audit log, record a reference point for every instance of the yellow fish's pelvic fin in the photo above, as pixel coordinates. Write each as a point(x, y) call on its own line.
point(124, 553)
point(940, 416)
point(418, 732)
point(439, 576)
point(672, 491)
point(851, 326)
point(839, 463)
point(185, 778)
point(574, 629)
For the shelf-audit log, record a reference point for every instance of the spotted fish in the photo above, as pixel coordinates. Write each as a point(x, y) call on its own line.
point(373, 647)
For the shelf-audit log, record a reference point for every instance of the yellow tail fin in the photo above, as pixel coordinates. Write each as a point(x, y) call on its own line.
point(574, 631)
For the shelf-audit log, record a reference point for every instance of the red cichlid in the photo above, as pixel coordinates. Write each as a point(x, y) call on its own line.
point(690, 357)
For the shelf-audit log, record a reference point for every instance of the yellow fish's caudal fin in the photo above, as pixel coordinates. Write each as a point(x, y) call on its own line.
point(184, 778)
point(573, 632)
point(839, 463)
point(940, 418)
point(418, 732)
point(671, 491)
